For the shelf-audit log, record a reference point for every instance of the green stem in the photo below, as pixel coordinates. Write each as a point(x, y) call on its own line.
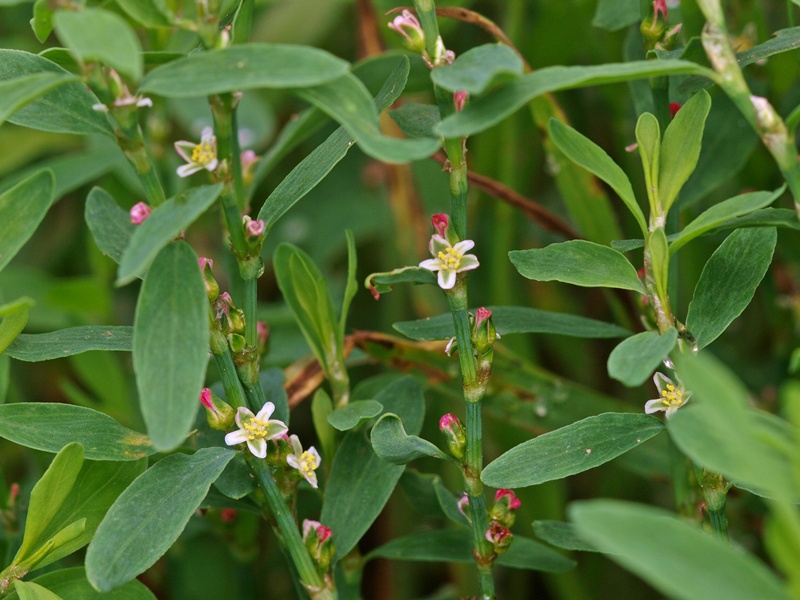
point(233, 218)
point(294, 543)
point(131, 142)
point(234, 392)
point(249, 303)
point(719, 522)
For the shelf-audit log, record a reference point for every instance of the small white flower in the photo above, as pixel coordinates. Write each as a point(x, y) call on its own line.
point(671, 396)
point(256, 429)
point(304, 461)
point(198, 156)
point(449, 260)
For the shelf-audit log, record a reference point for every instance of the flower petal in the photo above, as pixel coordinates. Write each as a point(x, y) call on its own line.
point(237, 437)
point(258, 447)
point(447, 279)
point(266, 412)
point(312, 479)
point(432, 264)
point(293, 462)
point(212, 165)
point(297, 447)
point(275, 429)
point(464, 246)
point(313, 452)
point(652, 406)
point(189, 169)
point(438, 244)
point(243, 415)
point(184, 149)
point(662, 381)
point(468, 262)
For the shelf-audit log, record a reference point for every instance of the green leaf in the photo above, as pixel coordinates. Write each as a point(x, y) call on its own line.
point(66, 109)
point(404, 397)
point(584, 152)
point(149, 516)
point(381, 283)
point(429, 496)
point(42, 21)
point(614, 15)
point(47, 496)
point(515, 319)
point(94, 34)
point(659, 259)
point(495, 106)
point(351, 288)
point(561, 535)
point(729, 281)
point(22, 208)
point(11, 326)
point(321, 408)
point(348, 101)
point(313, 168)
point(417, 120)
point(680, 149)
point(479, 69)
point(66, 342)
point(110, 225)
point(170, 344)
point(648, 138)
point(569, 450)
point(50, 427)
point(578, 262)
point(150, 13)
point(16, 93)
point(354, 414)
point(767, 217)
point(635, 358)
point(71, 584)
point(34, 591)
point(718, 214)
point(392, 444)
point(236, 481)
point(164, 224)
point(675, 557)
point(455, 545)
point(244, 67)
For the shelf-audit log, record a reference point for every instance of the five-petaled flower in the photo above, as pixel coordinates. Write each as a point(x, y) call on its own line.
point(198, 156)
point(449, 260)
point(256, 429)
point(305, 461)
point(671, 396)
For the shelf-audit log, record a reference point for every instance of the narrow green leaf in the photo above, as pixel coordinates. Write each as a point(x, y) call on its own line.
point(648, 138)
point(584, 152)
point(5, 376)
point(244, 67)
point(313, 168)
point(680, 149)
point(11, 326)
point(351, 288)
point(170, 344)
point(515, 319)
point(150, 13)
point(16, 93)
point(149, 516)
point(22, 208)
point(675, 557)
point(635, 358)
point(34, 591)
point(71, 584)
point(614, 15)
point(561, 535)
point(49, 427)
point(67, 342)
point(354, 414)
point(110, 225)
point(569, 450)
point(47, 497)
point(495, 106)
point(66, 109)
point(381, 283)
point(729, 281)
point(348, 101)
point(417, 120)
point(392, 444)
point(767, 217)
point(164, 224)
point(479, 68)
point(578, 262)
point(718, 214)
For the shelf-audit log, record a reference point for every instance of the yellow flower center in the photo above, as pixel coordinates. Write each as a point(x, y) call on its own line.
point(308, 462)
point(450, 259)
point(203, 153)
point(256, 428)
point(672, 396)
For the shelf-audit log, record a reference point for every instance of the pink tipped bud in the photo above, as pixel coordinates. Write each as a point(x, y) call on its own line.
point(440, 222)
point(212, 287)
point(484, 332)
point(219, 414)
point(206, 400)
point(674, 107)
point(513, 502)
point(205, 262)
point(318, 540)
point(460, 99)
point(139, 212)
point(323, 533)
point(453, 430)
point(253, 228)
point(504, 507)
point(500, 537)
point(407, 25)
point(481, 315)
point(659, 6)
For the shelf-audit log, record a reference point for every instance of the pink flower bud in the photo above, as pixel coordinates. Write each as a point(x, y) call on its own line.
point(253, 228)
point(310, 527)
point(460, 99)
point(203, 261)
point(482, 315)
point(453, 430)
point(219, 414)
point(440, 222)
point(500, 537)
point(323, 533)
point(513, 502)
point(448, 421)
point(407, 25)
point(139, 212)
point(463, 505)
point(206, 400)
point(659, 6)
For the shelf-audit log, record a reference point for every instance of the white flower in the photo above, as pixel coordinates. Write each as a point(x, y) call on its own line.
point(449, 260)
point(304, 461)
point(672, 396)
point(256, 429)
point(198, 156)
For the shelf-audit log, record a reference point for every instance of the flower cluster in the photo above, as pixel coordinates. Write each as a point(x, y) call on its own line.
point(502, 516)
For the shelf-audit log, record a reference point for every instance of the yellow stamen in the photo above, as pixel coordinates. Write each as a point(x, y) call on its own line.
point(450, 259)
point(672, 396)
point(203, 153)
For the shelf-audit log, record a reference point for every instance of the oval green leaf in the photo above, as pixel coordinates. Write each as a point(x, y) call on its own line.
point(354, 413)
point(635, 358)
point(675, 557)
point(580, 263)
point(164, 224)
point(149, 516)
point(110, 225)
point(22, 208)
point(392, 444)
point(729, 281)
point(569, 450)
point(479, 69)
point(561, 535)
point(71, 584)
point(50, 427)
point(34, 591)
point(244, 67)
point(16, 93)
point(170, 344)
point(150, 13)
point(67, 342)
